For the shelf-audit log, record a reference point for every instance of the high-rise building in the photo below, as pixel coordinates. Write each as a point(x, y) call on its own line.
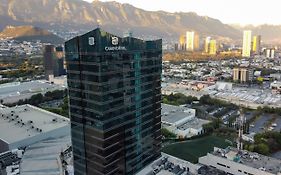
point(115, 102)
point(270, 53)
point(53, 61)
point(182, 42)
point(247, 35)
point(192, 41)
point(256, 44)
point(236, 74)
point(206, 45)
point(243, 74)
point(213, 47)
point(196, 42)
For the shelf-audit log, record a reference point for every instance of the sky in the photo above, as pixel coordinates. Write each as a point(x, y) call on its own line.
point(231, 12)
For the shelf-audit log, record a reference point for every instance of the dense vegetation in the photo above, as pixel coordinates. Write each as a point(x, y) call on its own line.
point(39, 98)
point(265, 143)
point(167, 134)
point(178, 99)
point(62, 110)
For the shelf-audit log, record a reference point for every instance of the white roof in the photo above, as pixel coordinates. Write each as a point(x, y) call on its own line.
point(22, 122)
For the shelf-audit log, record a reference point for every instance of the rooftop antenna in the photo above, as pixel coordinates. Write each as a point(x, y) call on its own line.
point(240, 121)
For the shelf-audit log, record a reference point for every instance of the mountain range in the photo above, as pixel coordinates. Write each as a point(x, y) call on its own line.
point(118, 18)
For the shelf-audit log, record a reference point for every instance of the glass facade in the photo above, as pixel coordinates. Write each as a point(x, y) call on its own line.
point(115, 102)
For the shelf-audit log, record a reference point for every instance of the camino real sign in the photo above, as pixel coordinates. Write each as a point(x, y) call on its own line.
point(114, 42)
point(115, 47)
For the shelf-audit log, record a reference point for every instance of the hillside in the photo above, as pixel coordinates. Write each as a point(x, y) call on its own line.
point(113, 17)
point(30, 33)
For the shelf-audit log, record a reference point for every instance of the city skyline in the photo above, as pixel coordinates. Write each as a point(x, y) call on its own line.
point(247, 10)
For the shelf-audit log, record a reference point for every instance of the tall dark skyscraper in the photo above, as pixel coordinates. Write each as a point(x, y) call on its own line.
point(53, 61)
point(115, 102)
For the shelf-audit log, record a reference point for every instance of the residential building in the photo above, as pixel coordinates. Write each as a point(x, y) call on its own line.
point(213, 47)
point(236, 74)
point(206, 45)
point(243, 74)
point(270, 53)
point(256, 47)
point(115, 102)
point(247, 35)
point(53, 61)
point(182, 42)
point(192, 41)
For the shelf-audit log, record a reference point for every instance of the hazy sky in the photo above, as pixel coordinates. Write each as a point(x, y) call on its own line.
point(237, 11)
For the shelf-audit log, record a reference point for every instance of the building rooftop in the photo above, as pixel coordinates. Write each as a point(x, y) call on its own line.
point(43, 158)
point(172, 114)
point(167, 165)
point(250, 159)
point(11, 92)
point(22, 122)
point(196, 123)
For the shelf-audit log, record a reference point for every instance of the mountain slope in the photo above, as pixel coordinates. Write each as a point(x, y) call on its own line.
point(112, 16)
point(30, 33)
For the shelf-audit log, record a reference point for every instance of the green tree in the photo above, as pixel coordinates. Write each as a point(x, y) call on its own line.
point(262, 149)
point(167, 134)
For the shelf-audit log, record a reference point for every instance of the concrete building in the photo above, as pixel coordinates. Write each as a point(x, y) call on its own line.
point(223, 86)
point(247, 35)
point(276, 87)
point(243, 74)
point(256, 47)
point(236, 74)
point(182, 43)
point(24, 125)
point(192, 41)
point(206, 44)
point(270, 53)
point(213, 47)
point(181, 121)
point(15, 91)
point(240, 162)
point(53, 61)
point(43, 158)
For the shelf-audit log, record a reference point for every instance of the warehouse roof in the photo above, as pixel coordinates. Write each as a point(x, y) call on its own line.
point(22, 122)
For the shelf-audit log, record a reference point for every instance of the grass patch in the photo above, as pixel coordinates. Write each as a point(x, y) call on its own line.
point(193, 149)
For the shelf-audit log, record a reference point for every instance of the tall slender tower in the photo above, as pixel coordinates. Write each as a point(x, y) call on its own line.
point(190, 41)
point(213, 47)
point(256, 44)
point(206, 45)
point(115, 102)
point(247, 35)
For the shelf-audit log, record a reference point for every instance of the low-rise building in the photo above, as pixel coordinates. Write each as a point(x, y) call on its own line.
point(15, 91)
point(25, 125)
point(182, 121)
point(276, 87)
point(240, 162)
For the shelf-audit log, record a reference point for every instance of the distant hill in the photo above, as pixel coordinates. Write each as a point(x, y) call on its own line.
point(112, 16)
point(30, 33)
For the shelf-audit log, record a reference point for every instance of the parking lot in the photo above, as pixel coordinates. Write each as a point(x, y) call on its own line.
point(259, 125)
point(278, 122)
